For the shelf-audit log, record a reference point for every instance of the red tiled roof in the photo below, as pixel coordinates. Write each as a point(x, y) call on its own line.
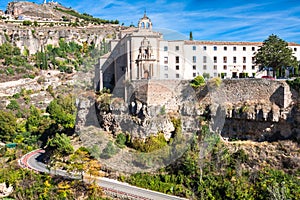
point(188, 42)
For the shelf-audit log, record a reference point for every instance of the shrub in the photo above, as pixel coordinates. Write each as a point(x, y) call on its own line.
point(215, 82)
point(27, 23)
point(16, 96)
point(121, 140)
point(151, 143)
point(295, 84)
point(109, 150)
point(10, 71)
point(13, 105)
point(198, 81)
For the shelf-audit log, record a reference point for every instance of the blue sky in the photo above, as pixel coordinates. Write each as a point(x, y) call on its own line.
point(218, 20)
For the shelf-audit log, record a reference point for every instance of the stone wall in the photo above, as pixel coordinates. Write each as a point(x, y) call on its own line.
point(257, 109)
point(257, 90)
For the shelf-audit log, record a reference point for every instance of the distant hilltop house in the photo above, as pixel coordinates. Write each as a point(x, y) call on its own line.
point(143, 54)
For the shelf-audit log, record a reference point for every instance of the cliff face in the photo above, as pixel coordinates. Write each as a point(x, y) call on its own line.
point(34, 38)
point(35, 11)
point(246, 109)
point(259, 110)
point(51, 25)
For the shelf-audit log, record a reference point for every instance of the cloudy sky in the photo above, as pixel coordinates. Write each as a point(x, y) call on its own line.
point(219, 20)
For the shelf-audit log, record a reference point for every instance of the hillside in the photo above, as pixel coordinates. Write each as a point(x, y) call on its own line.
point(50, 12)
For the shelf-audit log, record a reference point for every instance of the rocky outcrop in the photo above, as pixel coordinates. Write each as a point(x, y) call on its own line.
point(258, 109)
point(149, 108)
point(35, 11)
point(35, 38)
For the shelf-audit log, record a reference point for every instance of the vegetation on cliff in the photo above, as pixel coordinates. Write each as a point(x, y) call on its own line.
point(87, 17)
point(220, 173)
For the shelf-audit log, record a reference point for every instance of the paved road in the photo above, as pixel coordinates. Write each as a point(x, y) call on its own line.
point(31, 160)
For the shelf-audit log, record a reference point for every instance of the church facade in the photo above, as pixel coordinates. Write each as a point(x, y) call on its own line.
point(141, 54)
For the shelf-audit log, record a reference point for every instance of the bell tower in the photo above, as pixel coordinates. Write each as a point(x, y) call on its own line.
point(145, 61)
point(145, 23)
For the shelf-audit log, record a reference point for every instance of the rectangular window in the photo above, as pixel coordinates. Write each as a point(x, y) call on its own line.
point(194, 59)
point(244, 67)
point(244, 48)
point(166, 75)
point(194, 67)
point(166, 60)
point(234, 48)
point(177, 59)
point(225, 48)
point(253, 48)
point(204, 59)
point(166, 68)
point(253, 67)
point(215, 67)
point(194, 48)
point(177, 75)
point(225, 67)
point(244, 59)
point(194, 74)
point(204, 48)
point(165, 48)
point(215, 48)
point(215, 59)
point(177, 48)
point(204, 67)
point(295, 49)
point(225, 59)
point(253, 60)
point(177, 67)
point(234, 59)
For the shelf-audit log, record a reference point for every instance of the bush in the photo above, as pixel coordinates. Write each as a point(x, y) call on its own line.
point(295, 84)
point(215, 82)
point(109, 150)
point(198, 81)
point(13, 105)
point(10, 71)
point(16, 96)
point(27, 23)
point(151, 143)
point(121, 140)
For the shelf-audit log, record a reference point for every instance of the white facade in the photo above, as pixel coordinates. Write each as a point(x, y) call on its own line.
point(144, 54)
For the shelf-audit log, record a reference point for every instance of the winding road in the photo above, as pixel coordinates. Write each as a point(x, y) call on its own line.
point(32, 161)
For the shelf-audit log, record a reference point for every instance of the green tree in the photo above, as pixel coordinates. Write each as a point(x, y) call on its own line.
point(33, 122)
point(191, 36)
point(63, 111)
point(8, 125)
point(60, 144)
point(275, 54)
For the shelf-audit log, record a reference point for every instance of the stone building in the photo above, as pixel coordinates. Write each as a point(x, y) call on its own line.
point(141, 53)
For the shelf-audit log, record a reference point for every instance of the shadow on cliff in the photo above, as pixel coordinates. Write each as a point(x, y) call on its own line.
point(278, 97)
